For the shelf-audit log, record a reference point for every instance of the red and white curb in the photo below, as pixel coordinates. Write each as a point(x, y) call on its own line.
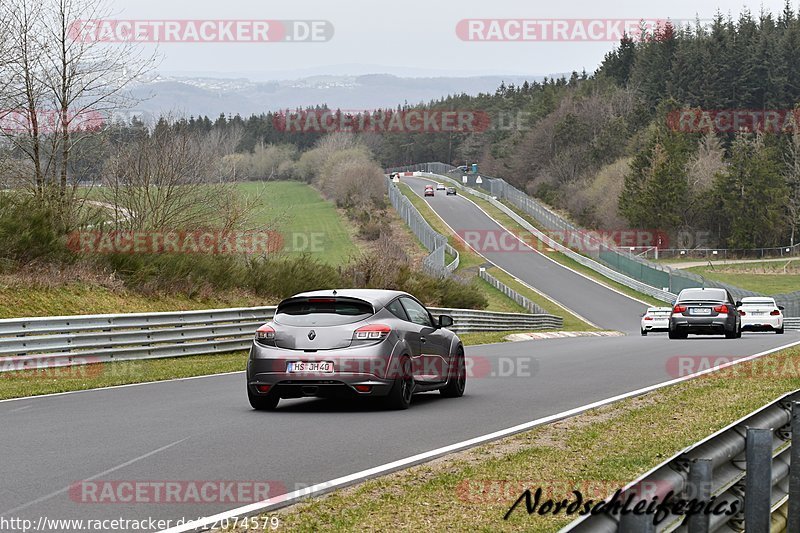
point(561, 335)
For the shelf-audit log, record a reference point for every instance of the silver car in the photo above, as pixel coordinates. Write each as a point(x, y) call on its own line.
point(354, 342)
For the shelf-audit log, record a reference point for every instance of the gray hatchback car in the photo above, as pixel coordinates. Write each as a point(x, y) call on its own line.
point(706, 312)
point(357, 343)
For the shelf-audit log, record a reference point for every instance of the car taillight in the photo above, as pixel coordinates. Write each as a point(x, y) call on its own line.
point(679, 309)
point(648, 318)
point(721, 309)
point(741, 312)
point(265, 333)
point(775, 313)
point(372, 332)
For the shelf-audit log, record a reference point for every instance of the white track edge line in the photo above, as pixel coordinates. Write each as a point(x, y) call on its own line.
point(340, 482)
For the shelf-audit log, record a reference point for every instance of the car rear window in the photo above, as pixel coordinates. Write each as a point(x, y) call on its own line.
point(322, 312)
point(759, 302)
point(703, 295)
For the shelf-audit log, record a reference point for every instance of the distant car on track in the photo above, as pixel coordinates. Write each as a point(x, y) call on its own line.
point(451, 191)
point(655, 319)
point(761, 313)
point(429, 190)
point(705, 312)
point(440, 187)
point(356, 343)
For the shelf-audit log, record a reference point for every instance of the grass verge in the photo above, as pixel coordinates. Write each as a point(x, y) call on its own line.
point(80, 299)
point(595, 452)
point(766, 278)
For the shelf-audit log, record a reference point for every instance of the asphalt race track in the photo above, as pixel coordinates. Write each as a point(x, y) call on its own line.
point(204, 430)
point(606, 309)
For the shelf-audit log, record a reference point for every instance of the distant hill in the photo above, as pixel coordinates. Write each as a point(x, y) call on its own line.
point(211, 96)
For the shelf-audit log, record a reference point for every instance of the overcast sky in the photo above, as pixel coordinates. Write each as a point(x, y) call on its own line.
point(406, 37)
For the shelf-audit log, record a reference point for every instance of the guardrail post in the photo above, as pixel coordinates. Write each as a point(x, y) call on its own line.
point(758, 480)
point(700, 489)
point(793, 518)
point(637, 523)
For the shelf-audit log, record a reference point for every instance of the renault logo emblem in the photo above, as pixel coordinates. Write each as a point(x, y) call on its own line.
point(312, 335)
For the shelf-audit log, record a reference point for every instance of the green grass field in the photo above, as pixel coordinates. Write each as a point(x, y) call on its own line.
point(307, 222)
point(766, 278)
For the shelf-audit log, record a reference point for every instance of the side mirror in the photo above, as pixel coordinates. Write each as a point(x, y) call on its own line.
point(781, 308)
point(445, 321)
point(738, 304)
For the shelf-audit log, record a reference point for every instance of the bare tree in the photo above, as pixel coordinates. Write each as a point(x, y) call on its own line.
point(60, 82)
point(23, 90)
point(84, 76)
point(171, 180)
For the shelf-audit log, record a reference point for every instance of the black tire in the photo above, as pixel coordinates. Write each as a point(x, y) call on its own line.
point(457, 378)
point(262, 403)
point(644, 333)
point(779, 331)
point(399, 397)
point(735, 334)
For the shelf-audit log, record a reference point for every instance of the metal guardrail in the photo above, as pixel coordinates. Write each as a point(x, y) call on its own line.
point(608, 272)
point(752, 462)
point(46, 342)
point(467, 320)
point(511, 293)
point(435, 242)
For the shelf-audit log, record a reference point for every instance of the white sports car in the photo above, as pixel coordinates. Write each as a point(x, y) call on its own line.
point(760, 313)
point(656, 319)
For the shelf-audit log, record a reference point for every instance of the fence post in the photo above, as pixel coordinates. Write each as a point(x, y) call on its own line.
point(700, 487)
point(793, 518)
point(758, 481)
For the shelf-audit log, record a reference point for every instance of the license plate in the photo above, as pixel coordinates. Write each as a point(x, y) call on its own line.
point(758, 313)
point(324, 367)
point(700, 311)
